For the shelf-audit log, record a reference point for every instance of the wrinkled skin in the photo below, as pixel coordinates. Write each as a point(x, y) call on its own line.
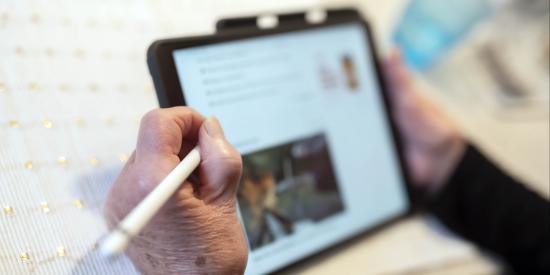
point(197, 231)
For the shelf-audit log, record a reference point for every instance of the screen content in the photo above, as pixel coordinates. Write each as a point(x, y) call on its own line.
point(305, 111)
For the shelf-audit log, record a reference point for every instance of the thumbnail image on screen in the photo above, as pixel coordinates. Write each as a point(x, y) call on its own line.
point(286, 187)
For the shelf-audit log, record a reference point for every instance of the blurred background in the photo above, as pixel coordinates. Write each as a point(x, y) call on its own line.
point(74, 84)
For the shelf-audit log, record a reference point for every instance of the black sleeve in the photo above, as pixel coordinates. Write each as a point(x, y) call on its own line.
point(496, 212)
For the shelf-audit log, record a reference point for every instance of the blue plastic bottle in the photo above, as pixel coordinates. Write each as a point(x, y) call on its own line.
point(429, 28)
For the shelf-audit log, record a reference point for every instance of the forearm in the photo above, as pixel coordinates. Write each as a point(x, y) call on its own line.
point(485, 205)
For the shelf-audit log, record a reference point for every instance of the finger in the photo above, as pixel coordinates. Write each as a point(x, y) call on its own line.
point(221, 164)
point(163, 137)
point(168, 132)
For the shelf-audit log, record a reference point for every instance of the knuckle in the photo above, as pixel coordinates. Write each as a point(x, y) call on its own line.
point(235, 163)
point(182, 112)
point(153, 118)
point(228, 166)
point(236, 167)
point(154, 132)
point(184, 109)
point(232, 168)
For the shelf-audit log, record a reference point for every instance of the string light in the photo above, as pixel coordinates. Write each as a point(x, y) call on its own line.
point(79, 53)
point(41, 88)
point(8, 210)
point(109, 121)
point(19, 50)
point(62, 161)
point(149, 88)
point(50, 52)
point(13, 123)
point(61, 251)
point(33, 87)
point(45, 207)
point(93, 87)
point(48, 124)
point(79, 122)
point(24, 257)
point(78, 203)
point(64, 87)
point(94, 161)
point(35, 18)
point(123, 158)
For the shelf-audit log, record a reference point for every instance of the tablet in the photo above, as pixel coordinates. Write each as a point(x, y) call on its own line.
point(303, 103)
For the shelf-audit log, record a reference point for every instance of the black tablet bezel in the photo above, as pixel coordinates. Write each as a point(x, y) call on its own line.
point(170, 93)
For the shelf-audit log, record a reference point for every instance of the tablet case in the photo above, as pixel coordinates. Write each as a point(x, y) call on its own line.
point(284, 20)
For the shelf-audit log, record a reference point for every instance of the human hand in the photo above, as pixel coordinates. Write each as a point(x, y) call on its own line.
point(197, 231)
point(433, 145)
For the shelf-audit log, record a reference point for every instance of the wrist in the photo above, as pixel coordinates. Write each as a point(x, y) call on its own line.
point(174, 261)
point(190, 244)
point(160, 257)
point(448, 164)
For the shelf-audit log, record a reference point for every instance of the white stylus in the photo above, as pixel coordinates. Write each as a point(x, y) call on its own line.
point(117, 241)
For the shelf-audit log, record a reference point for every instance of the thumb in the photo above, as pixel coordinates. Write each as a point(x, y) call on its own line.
point(221, 165)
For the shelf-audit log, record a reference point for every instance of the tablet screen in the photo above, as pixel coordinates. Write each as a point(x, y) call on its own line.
point(304, 109)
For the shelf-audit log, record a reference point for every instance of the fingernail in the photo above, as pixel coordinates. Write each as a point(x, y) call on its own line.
point(213, 127)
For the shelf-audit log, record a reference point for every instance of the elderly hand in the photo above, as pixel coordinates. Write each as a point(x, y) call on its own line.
point(433, 146)
point(197, 231)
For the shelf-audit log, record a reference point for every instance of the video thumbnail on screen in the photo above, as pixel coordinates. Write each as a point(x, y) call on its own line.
point(286, 188)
